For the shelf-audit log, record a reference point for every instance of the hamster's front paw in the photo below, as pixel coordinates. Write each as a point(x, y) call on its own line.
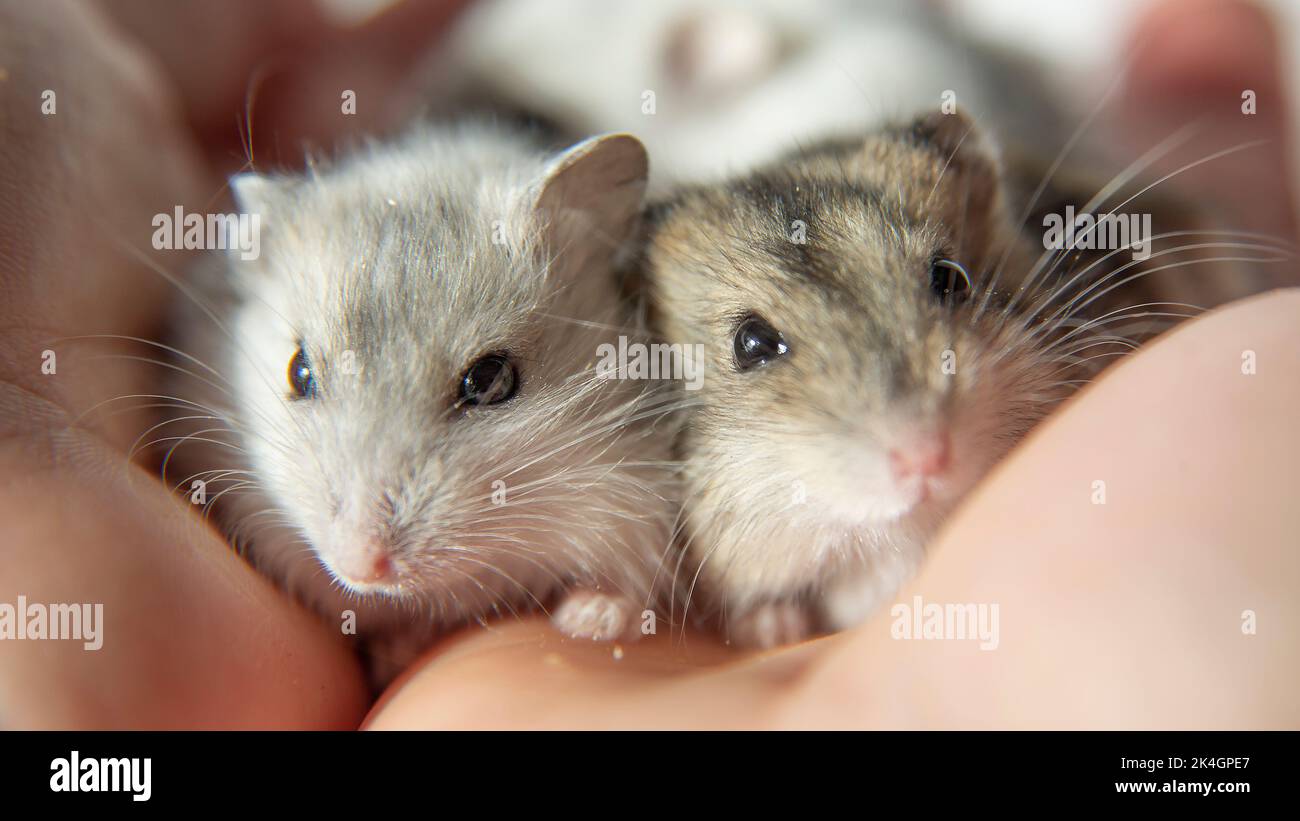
point(856, 597)
point(771, 625)
point(589, 614)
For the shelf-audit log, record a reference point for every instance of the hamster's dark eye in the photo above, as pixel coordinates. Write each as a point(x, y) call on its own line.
point(757, 343)
point(301, 378)
point(948, 280)
point(488, 381)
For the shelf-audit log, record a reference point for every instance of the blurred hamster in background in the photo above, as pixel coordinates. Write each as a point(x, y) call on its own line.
point(717, 87)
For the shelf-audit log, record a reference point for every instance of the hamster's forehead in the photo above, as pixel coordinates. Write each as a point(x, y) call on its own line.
point(840, 229)
point(409, 260)
point(834, 248)
point(771, 241)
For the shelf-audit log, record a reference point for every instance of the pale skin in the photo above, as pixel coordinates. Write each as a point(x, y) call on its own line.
point(1123, 614)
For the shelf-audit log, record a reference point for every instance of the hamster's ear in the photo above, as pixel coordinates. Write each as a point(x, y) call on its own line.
point(970, 161)
point(589, 199)
point(956, 137)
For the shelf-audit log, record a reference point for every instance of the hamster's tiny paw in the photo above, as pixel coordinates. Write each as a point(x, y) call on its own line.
point(856, 597)
point(771, 625)
point(589, 614)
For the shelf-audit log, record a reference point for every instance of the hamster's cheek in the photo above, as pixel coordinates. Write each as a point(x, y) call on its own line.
point(853, 486)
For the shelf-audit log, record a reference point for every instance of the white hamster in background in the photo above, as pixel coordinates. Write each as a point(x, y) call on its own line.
point(408, 425)
point(734, 84)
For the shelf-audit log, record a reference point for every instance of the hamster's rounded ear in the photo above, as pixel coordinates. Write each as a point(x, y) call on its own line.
point(589, 198)
point(955, 136)
point(969, 161)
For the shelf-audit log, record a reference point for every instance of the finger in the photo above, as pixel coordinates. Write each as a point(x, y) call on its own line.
point(282, 67)
point(93, 149)
point(176, 630)
point(525, 675)
point(1215, 63)
point(191, 636)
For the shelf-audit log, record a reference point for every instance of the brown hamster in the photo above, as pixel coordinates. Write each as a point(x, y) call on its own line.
point(870, 355)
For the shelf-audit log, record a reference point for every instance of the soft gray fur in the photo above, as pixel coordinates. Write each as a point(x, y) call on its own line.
point(387, 261)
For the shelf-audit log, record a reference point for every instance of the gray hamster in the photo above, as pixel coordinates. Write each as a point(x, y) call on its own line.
point(403, 424)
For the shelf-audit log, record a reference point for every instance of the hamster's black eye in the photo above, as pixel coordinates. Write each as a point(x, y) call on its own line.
point(948, 280)
point(757, 343)
point(301, 378)
point(488, 381)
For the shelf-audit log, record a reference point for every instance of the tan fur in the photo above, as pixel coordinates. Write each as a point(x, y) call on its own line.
point(788, 493)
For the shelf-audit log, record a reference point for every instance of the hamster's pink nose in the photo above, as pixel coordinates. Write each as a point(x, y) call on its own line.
point(924, 457)
point(370, 564)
